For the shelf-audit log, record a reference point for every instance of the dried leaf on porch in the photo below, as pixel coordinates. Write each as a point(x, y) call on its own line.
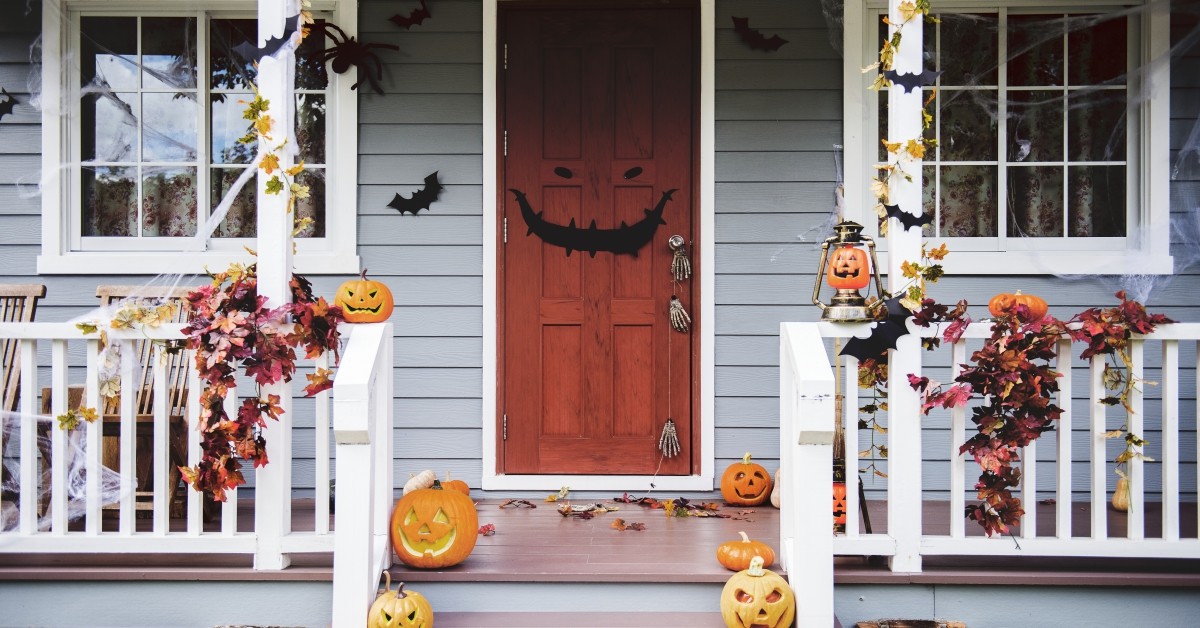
point(487, 529)
point(518, 503)
point(620, 524)
point(561, 494)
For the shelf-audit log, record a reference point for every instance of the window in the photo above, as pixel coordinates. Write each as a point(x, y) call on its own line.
point(1050, 137)
point(149, 143)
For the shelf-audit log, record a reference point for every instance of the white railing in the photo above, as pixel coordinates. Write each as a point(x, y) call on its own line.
point(363, 427)
point(805, 384)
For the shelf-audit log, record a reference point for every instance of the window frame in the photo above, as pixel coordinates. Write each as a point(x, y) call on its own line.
point(62, 253)
point(1145, 248)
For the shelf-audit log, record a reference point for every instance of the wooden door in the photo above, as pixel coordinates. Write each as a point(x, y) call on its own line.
point(598, 111)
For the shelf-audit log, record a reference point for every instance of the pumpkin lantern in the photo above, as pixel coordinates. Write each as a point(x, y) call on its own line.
point(745, 483)
point(848, 269)
point(757, 597)
point(433, 528)
point(399, 608)
point(839, 506)
point(364, 300)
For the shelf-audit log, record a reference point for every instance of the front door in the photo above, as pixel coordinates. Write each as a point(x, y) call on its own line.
point(598, 110)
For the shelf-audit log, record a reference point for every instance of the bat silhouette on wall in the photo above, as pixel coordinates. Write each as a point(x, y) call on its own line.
point(884, 334)
point(250, 52)
point(911, 81)
point(754, 37)
point(414, 18)
point(624, 239)
point(421, 199)
point(907, 220)
point(7, 105)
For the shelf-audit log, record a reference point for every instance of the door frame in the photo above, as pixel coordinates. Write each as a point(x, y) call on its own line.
point(705, 218)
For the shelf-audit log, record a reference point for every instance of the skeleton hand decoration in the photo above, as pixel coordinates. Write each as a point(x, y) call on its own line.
point(680, 321)
point(668, 443)
point(681, 266)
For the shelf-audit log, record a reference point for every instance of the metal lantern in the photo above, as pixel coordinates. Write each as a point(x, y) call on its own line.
point(848, 269)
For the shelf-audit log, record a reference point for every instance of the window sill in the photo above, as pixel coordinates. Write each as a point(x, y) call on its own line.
point(183, 263)
point(1053, 263)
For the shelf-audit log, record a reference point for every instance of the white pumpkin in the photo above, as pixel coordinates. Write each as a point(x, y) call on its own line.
point(775, 490)
point(424, 479)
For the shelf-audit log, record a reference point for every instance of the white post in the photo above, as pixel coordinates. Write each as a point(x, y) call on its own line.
point(904, 418)
point(276, 79)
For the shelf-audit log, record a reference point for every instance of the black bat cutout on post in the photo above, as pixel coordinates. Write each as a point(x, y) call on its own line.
point(421, 199)
point(754, 37)
point(250, 52)
point(907, 220)
point(624, 239)
point(414, 18)
point(884, 334)
point(911, 81)
point(8, 104)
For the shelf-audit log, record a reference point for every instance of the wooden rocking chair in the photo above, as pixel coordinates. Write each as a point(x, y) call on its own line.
point(18, 304)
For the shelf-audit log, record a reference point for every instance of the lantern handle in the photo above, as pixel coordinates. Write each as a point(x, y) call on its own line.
point(816, 297)
point(875, 267)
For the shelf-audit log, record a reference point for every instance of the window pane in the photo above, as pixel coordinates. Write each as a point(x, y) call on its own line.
point(1097, 201)
point(313, 206)
point(168, 127)
point(310, 60)
point(1097, 123)
point(169, 52)
point(108, 123)
point(882, 124)
point(928, 200)
point(109, 202)
point(108, 51)
point(1035, 50)
point(228, 126)
point(1035, 202)
point(968, 201)
point(1035, 125)
point(1097, 49)
point(169, 202)
point(968, 125)
point(240, 220)
point(969, 49)
point(310, 127)
point(229, 70)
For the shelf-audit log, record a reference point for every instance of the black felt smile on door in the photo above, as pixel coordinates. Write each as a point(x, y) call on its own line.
point(624, 239)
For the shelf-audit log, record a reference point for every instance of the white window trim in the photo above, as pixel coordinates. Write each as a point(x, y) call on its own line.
point(1147, 248)
point(334, 254)
point(707, 278)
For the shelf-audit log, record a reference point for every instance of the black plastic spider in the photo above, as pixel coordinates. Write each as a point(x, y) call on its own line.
point(348, 51)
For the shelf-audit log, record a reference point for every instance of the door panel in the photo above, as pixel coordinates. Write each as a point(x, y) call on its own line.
point(598, 107)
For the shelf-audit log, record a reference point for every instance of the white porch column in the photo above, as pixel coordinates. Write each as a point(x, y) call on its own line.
point(904, 421)
point(273, 483)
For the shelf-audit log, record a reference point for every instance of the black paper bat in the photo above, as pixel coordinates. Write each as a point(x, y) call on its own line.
point(7, 105)
point(624, 239)
point(421, 199)
point(754, 37)
point(907, 220)
point(250, 52)
point(884, 334)
point(415, 18)
point(911, 81)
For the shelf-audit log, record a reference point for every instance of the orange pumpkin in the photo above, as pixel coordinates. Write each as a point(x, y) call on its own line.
point(745, 483)
point(364, 300)
point(839, 506)
point(433, 528)
point(849, 268)
point(1005, 304)
point(736, 555)
point(456, 485)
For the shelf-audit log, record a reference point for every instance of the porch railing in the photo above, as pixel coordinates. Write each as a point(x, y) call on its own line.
point(1073, 470)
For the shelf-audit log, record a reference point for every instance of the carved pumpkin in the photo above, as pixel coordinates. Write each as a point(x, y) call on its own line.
point(757, 597)
point(736, 555)
point(848, 268)
point(456, 485)
point(745, 483)
point(399, 608)
point(1006, 304)
point(433, 528)
point(364, 300)
point(839, 506)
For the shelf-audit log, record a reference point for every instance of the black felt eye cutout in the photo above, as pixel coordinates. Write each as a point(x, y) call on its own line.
point(633, 172)
point(563, 172)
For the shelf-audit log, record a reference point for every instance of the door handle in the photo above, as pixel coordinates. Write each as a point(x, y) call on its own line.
point(681, 266)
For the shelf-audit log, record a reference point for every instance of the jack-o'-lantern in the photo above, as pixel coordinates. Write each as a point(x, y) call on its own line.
point(757, 597)
point(364, 300)
point(839, 505)
point(745, 483)
point(736, 555)
point(433, 528)
point(399, 609)
point(848, 268)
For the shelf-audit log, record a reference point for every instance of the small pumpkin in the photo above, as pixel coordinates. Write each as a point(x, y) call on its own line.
point(424, 479)
point(849, 268)
point(433, 528)
point(1005, 304)
point(399, 608)
point(456, 485)
point(1120, 498)
point(745, 483)
point(839, 506)
point(736, 555)
point(757, 597)
point(364, 300)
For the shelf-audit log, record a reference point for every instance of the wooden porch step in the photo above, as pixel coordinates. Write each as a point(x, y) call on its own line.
point(616, 618)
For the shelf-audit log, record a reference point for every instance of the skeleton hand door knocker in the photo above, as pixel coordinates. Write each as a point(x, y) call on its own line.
point(681, 266)
point(680, 321)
